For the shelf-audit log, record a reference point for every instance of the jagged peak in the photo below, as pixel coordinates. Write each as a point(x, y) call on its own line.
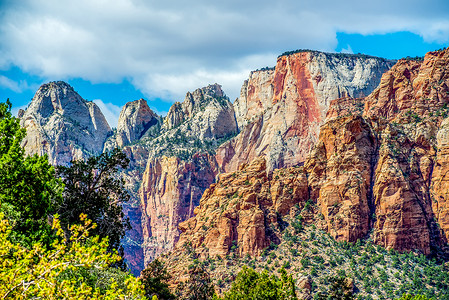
point(56, 96)
point(140, 105)
point(136, 117)
point(205, 93)
point(56, 84)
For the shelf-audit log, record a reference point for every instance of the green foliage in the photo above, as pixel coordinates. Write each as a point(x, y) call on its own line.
point(198, 286)
point(340, 289)
point(93, 187)
point(415, 58)
point(39, 273)
point(154, 279)
point(413, 297)
point(29, 191)
point(250, 284)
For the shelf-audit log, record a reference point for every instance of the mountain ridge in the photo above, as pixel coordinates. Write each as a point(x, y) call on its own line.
point(192, 138)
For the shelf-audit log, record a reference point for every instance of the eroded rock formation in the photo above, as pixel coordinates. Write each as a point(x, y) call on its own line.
point(280, 110)
point(237, 212)
point(379, 165)
point(63, 125)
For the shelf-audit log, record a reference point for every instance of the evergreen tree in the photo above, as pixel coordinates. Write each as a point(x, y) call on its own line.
point(250, 284)
point(29, 190)
point(93, 187)
point(154, 279)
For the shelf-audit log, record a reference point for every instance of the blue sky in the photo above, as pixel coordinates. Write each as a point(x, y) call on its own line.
point(117, 51)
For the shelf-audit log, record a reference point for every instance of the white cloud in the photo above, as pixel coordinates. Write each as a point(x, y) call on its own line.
point(110, 111)
point(348, 49)
point(169, 47)
point(16, 86)
point(5, 82)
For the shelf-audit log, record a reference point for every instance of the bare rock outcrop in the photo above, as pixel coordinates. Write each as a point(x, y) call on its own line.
point(170, 191)
point(207, 111)
point(237, 212)
point(135, 119)
point(340, 169)
point(280, 110)
point(63, 125)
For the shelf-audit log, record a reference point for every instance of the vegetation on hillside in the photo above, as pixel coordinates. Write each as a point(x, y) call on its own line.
point(309, 254)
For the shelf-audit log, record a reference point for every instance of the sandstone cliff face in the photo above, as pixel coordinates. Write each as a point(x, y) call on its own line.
point(340, 169)
point(440, 179)
point(63, 125)
point(378, 163)
point(170, 191)
point(280, 111)
point(179, 169)
point(404, 218)
point(238, 211)
point(402, 116)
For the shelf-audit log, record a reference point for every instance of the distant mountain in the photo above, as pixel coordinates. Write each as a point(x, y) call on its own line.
point(176, 158)
point(63, 125)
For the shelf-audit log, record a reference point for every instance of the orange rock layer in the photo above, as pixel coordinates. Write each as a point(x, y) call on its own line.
point(237, 212)
point(381, 165)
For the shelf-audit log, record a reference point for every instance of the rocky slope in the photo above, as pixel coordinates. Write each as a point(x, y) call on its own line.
point(238, 211)
point(63, 125)
point(376, 173)
point(280, 110)
point(278, 114)
point(173, 161)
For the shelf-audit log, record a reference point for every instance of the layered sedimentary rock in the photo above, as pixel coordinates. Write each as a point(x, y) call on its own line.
point(63, 125)
point(412, 98)
point(403, 114)
point(238, 211)
point(440, 179)
point(280, 110)
point(378, 166)
point(340, 169)
point(371, 164)
point(179, 169)
point(170, 191)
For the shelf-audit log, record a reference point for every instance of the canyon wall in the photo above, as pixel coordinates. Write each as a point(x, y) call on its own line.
point(377, 168)
point(280, 110)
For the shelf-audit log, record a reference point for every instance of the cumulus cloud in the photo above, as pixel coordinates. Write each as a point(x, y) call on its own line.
point(168, 47)
point(110, 111)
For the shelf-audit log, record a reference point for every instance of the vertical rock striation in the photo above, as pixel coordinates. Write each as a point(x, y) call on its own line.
point(280, 110)
point(179, 168)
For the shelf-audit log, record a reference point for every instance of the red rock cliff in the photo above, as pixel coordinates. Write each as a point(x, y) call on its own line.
point(280, 110)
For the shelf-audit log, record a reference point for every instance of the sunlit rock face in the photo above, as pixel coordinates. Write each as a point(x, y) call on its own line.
point(280, 110)
point(63, 125)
